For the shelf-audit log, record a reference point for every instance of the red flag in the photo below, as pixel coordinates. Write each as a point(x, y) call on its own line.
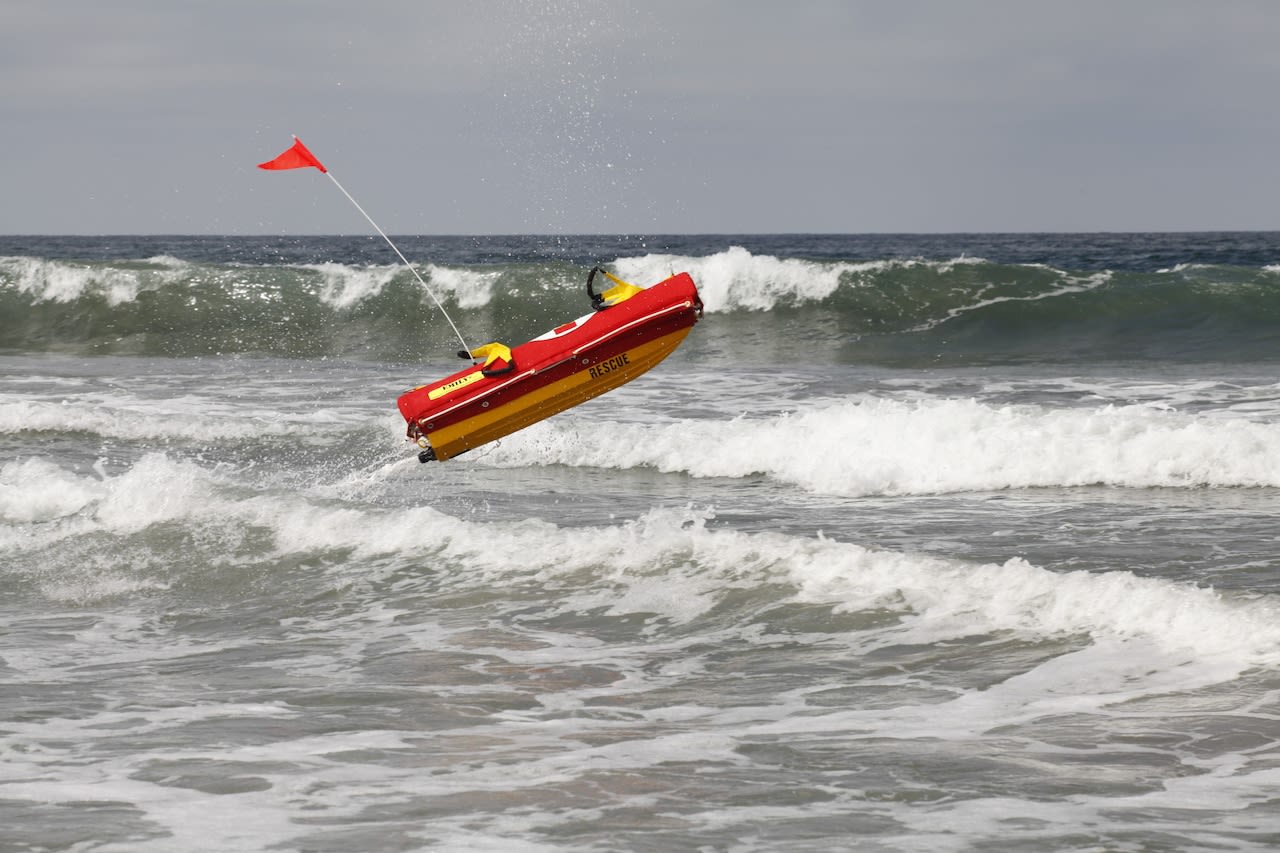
point(297, 157)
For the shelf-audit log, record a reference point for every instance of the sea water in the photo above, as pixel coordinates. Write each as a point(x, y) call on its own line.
point(917, 543)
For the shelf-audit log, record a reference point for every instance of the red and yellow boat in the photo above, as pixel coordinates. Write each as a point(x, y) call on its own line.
point(631, 330)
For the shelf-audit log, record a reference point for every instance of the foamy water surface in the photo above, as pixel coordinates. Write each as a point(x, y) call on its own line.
point(744, 603)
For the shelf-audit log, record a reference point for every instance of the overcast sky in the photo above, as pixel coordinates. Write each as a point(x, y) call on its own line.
point(662, 116)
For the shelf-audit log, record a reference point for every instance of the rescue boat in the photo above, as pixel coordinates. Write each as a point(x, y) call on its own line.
point(630, 330)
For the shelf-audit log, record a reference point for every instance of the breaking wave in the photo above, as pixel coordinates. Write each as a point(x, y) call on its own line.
point(964, 308)
point(871, 446)
point(667, 561)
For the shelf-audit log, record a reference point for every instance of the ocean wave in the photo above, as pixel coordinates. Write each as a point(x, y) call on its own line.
point(37, 490)
point(875, 310)
point(670, 562)
point(178, 420)
point(64, 281)
point(344, 286)
point(851, 447)
point(862, 447)
point(736, 279)
point(731, 280)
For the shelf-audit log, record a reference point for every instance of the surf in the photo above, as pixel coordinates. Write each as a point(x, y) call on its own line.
point(131, 518)
point(959, 310)
point(873, 446)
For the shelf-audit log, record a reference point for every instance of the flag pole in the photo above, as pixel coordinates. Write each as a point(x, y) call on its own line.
point(298, 157)
point(403, 260)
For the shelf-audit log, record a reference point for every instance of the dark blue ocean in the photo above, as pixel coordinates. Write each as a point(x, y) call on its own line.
point(917, 543)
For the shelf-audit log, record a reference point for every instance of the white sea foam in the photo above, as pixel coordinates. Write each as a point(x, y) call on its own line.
point(670, 562)
point(735, 278)
point(469, 288)
point(37, 490)
point(156, 489)
point(191, 419)
point(345, 286)
point(950, 599)
point(64, 281)
point(86, 534)
point(870, 446)
point(1137, 636)
point(1126, 639)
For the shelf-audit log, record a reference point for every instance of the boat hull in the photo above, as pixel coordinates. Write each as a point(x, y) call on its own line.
point(559, 370)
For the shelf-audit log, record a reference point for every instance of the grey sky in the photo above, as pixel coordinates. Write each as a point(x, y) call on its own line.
point(564, 116)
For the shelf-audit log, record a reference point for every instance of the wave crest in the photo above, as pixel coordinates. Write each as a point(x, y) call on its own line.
point(736, 279)
point(895, 310)
point(864, 447)
point(64, 282)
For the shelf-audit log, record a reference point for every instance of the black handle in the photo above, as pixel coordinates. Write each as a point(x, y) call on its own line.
point(499, 371)
point(597, 299)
